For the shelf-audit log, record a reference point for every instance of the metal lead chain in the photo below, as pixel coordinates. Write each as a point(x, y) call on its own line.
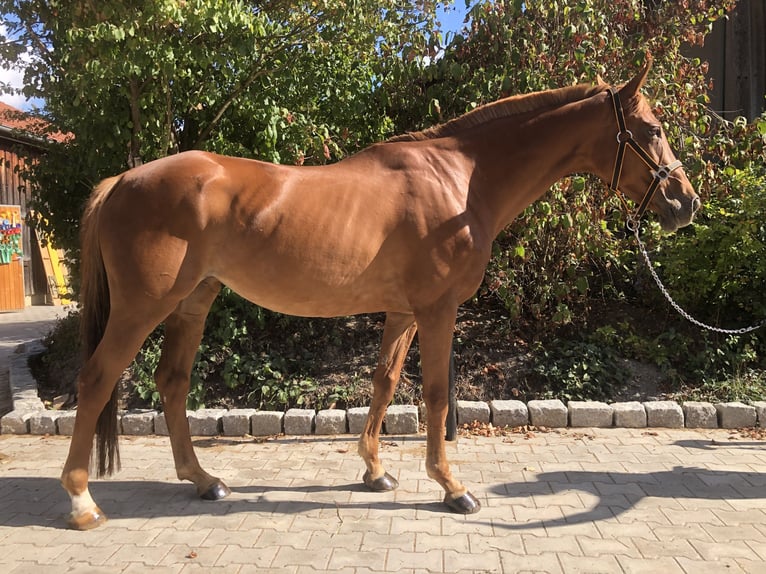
point(633, 226)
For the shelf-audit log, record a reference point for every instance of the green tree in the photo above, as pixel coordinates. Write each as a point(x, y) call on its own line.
point(133, 81)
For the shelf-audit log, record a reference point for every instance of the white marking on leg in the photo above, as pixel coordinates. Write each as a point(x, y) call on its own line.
point(82, 503)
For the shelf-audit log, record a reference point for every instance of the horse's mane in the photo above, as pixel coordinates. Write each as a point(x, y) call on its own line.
point(510, 106)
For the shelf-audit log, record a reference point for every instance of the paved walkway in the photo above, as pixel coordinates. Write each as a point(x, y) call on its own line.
point(573, 501)
point(569, 501)
point(17, 327)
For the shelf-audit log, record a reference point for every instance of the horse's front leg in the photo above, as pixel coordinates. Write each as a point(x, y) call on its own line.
point(398, 333)
point(436, 329)
point(183, 332)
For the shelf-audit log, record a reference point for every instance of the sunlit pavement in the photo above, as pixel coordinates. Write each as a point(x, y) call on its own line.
point(576, 500)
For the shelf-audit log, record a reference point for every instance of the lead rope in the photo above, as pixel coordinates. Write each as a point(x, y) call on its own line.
point(634, 226)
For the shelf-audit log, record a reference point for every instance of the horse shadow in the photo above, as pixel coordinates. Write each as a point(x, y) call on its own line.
point(618, 492)
point(712, 445)
point(40, 501)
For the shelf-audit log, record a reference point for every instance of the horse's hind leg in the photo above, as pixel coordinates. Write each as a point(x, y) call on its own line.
point(183, 333)
point(123, 337)
point(398, 333)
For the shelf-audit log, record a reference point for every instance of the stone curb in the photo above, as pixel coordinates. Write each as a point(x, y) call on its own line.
point(29, 415)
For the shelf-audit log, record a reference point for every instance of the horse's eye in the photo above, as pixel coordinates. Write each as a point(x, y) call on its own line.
point(655, 132)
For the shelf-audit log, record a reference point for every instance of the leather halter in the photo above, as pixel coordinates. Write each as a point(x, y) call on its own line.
point(659, 172)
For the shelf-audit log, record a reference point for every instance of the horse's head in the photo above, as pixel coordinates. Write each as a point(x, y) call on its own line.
point(645, 168)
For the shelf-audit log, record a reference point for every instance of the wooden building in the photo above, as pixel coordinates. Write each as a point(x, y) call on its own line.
point(24, 279)
point(736, 52)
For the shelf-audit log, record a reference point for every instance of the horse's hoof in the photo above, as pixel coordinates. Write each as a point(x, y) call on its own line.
point(87, 520)
point(381, 484)
point(216, 491)
point(466, 504)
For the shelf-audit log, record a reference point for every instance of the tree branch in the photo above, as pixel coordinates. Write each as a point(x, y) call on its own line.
point(205, 133)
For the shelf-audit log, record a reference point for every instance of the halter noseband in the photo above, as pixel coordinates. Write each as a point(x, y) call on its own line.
point(659, 172)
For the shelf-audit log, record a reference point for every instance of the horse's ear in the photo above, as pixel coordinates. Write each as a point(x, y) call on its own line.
point(632, 88)
point(599, 80)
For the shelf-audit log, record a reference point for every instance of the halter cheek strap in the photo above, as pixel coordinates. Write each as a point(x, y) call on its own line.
point(624, 139)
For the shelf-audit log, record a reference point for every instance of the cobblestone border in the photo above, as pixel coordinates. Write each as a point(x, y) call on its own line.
point(29, 415)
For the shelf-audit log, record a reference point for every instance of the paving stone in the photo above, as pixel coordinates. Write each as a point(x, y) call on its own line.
point(699, 415)
point(401, 419)
point(630, 414)
point(266, 423)
point(206, 422)
point(330, 421)
point(138, 422)
point(509, 413)
point(667, 414)
point(590, 414)
point(470, 411)
point(16, 422)
point(299, 421)
point(65, 423)
point(760, 410)
point(160, 425)
point(236, 422)
point(547, 413)
point(44, 422)
point(735, 415)
point(357, 417)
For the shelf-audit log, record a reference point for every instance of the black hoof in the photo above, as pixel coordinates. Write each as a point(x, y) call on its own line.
point(217, 491)
point(382, 484)
point(466, 504)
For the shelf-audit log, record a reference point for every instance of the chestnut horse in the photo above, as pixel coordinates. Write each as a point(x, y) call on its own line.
point(404, 227)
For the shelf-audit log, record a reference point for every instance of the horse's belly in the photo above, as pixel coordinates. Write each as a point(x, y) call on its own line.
point(316, 299)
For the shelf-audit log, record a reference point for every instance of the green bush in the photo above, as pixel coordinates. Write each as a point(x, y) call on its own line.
point(236, 358)
point(577, 369)
point(717, 268)
point(716, 271)
point(548, 263)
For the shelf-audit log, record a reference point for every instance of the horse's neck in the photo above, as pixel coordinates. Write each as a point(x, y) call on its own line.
point(519, 160)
